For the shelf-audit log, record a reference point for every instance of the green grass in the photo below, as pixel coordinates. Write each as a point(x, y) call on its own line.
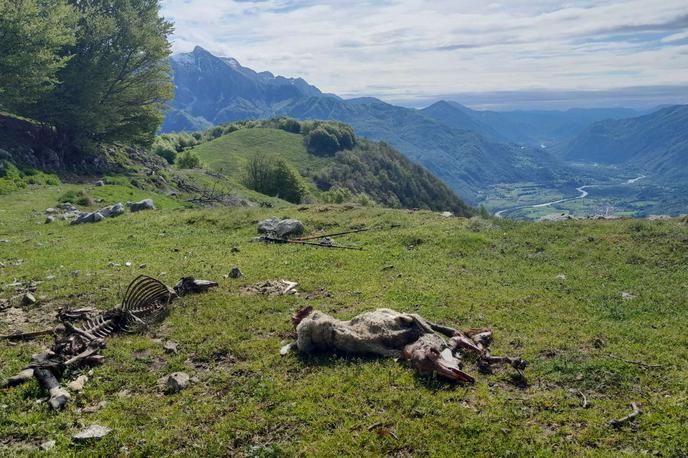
point(249, 401)
point(231, 152)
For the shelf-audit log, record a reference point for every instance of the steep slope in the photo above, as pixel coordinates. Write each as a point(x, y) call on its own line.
point(656, 143)
point(463, 159)
point(370, 168)
point(213, 90)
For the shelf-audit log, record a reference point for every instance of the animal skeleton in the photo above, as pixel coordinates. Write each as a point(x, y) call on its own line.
point(145, 302)
point(388, 333)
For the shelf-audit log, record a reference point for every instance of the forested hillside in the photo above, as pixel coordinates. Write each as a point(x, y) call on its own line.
point(333, 163)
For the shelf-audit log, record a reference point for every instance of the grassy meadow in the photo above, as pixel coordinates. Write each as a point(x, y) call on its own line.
point(552, 292)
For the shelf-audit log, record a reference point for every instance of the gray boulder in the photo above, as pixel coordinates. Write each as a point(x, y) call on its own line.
point(100, 183)
point(112, 211)
point(145, 204)
point(84, 217)
point(281, 228)
point(289, 228)
point(49, 219)
point(268, 226)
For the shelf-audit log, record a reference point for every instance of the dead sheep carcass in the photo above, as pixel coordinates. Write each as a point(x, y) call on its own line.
point(430, 348)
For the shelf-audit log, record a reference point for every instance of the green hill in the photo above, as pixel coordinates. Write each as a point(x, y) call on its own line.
point(368, 169)
point(230, 153)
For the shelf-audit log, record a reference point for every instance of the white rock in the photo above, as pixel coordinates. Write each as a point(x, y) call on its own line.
point(92, 432)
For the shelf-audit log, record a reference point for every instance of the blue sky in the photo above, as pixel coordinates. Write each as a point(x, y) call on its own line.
point(532, 54)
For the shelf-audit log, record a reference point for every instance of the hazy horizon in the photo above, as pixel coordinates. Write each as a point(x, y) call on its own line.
point(522, 54)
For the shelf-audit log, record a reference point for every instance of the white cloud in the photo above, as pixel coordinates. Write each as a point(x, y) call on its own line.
point(419, 48)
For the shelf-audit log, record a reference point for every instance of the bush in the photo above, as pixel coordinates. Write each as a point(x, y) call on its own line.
point(289, 125)
point(76, 197)
point(326, 138)
point(273, 177)
point(321, 142)
point(165, 148)
point(188, 160)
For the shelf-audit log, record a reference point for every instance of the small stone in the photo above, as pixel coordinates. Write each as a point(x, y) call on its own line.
point(561, 277)
point(113, 264)
point(142, 266)
point(100, 183)
point(78, 384)
point(627, 296)
point(235, 272)
point(175, 382)
point(49, 219)
point(127, 264)
point(75, 273)
point(4, 241)
point(170, 347)
point(50, 210)
point(28, 299)
point(94, 408)
point(447, 214)
point(92, 432)
point(235, 249)
point(48, 445)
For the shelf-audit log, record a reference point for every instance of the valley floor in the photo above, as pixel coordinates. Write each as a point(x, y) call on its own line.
point(598, 308)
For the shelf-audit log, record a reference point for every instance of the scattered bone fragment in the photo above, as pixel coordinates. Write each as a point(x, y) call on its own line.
point(191, 285)
point(145, 301)
point(616, 423)
point(271, 288)
point(28, 299)
point(171, 347)
point(78, 384)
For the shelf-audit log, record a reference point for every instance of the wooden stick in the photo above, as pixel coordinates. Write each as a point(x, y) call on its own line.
point(353, 231)
point(630, 417)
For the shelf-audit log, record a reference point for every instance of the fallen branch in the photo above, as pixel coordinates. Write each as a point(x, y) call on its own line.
point(266, 238)
point(353, 231)
point(628, 418)
point(638, 363)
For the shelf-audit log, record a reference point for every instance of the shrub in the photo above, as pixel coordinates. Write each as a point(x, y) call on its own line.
point(164, 147)
point(274, 177)
point(188, 160)
point(289, 125)
point(321, 142)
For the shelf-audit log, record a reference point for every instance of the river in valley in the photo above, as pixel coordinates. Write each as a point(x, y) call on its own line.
point(583, 194)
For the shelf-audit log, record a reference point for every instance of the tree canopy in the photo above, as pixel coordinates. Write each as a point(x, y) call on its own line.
point(100, 66)
point(34, 35)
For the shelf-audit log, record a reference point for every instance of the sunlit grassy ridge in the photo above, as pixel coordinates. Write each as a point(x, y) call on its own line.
point(576, 333)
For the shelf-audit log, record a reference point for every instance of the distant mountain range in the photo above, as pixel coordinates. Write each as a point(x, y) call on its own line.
point(656, 143)
point(472, 151)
